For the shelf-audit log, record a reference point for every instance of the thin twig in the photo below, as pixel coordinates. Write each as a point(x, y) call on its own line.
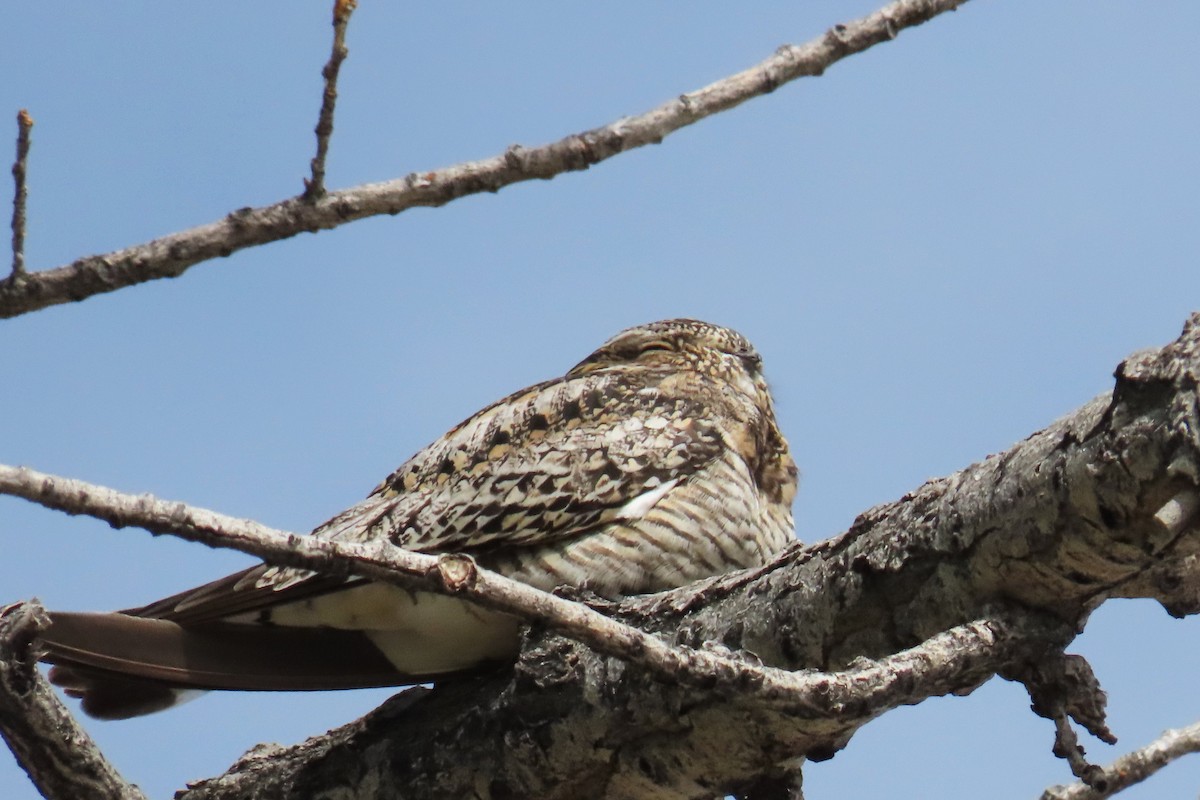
point(24, 125)
point(1066, 746)
point(1063, 687)
point(171, 255)
point(1134, 767)
point(314, 188)
point(60, 758)
point(974, 650)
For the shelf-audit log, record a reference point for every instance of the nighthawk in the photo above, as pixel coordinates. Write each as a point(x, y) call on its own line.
point(654, 462)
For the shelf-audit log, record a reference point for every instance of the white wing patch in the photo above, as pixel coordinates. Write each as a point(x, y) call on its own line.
point(639, 506)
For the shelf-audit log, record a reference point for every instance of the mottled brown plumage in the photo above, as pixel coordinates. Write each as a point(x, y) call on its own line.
point(654, 462)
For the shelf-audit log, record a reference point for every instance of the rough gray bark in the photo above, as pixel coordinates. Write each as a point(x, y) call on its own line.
point(1056, 525)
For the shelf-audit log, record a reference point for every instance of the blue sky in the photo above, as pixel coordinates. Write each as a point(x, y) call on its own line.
point(939, 247)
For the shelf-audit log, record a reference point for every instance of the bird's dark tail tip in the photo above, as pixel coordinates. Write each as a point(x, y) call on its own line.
point(108, 695)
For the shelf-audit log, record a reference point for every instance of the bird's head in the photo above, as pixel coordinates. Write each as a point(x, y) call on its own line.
point(683, 344)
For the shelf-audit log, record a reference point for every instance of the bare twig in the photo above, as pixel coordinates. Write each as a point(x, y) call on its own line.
point(172, 255)
point(58, 755)
point(24, 125)
point(1134, 767)
point(1066, 746)
point(314, 187)
point(1063, 687)
point(971, 651)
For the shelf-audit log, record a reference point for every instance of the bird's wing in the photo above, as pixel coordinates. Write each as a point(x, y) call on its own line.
point(226, 597)
point(545, 464)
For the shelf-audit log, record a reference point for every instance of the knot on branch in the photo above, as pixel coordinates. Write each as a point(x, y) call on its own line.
point(1062, 688)
point(21, 624)
point(458, 572)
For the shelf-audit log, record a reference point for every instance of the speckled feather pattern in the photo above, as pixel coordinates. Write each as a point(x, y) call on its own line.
point(654, 462)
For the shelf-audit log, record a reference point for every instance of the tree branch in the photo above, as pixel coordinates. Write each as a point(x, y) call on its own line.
point(609, 705)
point(887, 683)
point(60, 758)
point(24, 126)
point(314, 188)
point(171, 255)
point(1133, 768)
point(1064, 688)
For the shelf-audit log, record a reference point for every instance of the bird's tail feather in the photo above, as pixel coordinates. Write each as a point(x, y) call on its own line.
point(124, 666)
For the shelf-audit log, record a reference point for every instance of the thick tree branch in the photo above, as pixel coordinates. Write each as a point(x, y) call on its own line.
point(171, 255)
point(1132, 768)
point(59, 757)
point(618, 756)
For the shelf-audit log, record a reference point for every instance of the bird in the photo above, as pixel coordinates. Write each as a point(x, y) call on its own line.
point(654, 462)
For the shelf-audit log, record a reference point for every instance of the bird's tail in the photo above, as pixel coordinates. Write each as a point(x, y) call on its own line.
point(125, 666)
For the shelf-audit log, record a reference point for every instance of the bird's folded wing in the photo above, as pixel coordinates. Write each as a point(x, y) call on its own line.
point(236, 595)
point(544, 465)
